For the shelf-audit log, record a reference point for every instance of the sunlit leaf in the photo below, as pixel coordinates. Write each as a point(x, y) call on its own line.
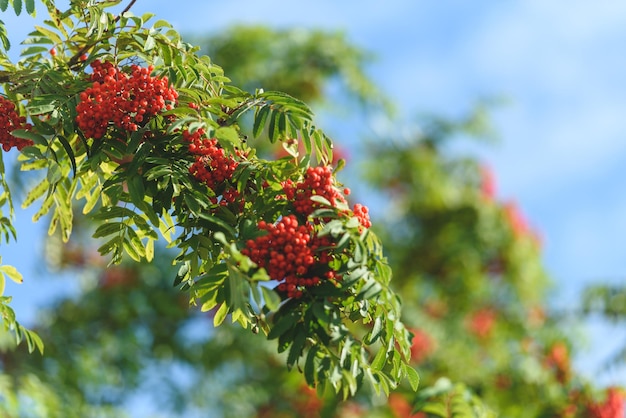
point(12, 273)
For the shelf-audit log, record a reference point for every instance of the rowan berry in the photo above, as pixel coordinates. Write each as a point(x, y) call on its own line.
point(292, 255)
point(317, 181)
point(612, 407)
point(10, 120)
point(422, 345)
point(362, 214)
point(122, 100)
point(212, 166)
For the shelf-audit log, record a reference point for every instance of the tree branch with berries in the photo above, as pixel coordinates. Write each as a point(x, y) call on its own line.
point(144, 136)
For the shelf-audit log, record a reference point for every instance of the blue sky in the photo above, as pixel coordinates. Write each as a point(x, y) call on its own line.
point(563, 132)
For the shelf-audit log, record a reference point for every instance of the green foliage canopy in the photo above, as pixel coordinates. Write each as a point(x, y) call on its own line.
point(90, 136)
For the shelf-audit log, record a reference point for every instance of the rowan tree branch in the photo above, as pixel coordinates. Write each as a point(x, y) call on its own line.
point(127, 8)
point(76, 57)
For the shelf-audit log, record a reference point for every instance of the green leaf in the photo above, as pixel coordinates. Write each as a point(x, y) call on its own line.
point(379, 359)
point(136, 190)
point(320, 313)
point(55, 174)
point(183, 273)
point(309, 366)
point(53, 36)
point(4, 4)
point(271, 298)
point(12, 273)
point(32, 50)
point(370, 290)
point(260, 120)
point(321, 199)
point(150, 250)
point(91, 202)
point(149, 44)
point(166, 55)
point(228, 134)
point(36, 193)
point(45, 207)
point(218, 222)
point(35, 137)
point(220, 315)
point(282, 123)
point(412, 376)
point(17, 6)
point(30, 7)
point(161, 24)
point(69, 150)
point(285, 323)
point(110, 212)
point(306, 138)
point(352, 384)
point(109, 228)
point(6, 44)
point(376, 330)
point(242, 179)
point(296, 347)
point(34, 341)
point(131, 249)
point(272, 130)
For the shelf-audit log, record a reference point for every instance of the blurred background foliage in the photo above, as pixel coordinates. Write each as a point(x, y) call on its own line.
point(467, 266)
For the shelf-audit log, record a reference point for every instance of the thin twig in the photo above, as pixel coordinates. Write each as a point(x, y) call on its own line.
point(76, 57)
point(127, 8)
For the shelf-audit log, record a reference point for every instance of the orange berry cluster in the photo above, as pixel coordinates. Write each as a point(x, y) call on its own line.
point(10, 121)
point(362, 214)
point(482, 321)
point(558, 360)
point(291, 255)
point(612, 407)
point(212, 166)
point(422, 345)
point(125, 100)
point(318, 181)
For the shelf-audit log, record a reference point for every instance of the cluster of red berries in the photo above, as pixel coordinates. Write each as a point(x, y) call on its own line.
point(482, 321)
point(212, 165)
point(125, 100)
point(318, 181)
point(362, 214)
point(10, 120)
point(557, 359)
point(290, 253)
point(612, 407)
point(400, 407)
point(228, 196)
point(487, 183)
point(422, 345)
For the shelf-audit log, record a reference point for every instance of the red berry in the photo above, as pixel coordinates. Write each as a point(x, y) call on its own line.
point(362, 214)
point(213, 167)
point(122, 100)
point(318, 181)
point(290, 253)
point(10, 120)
